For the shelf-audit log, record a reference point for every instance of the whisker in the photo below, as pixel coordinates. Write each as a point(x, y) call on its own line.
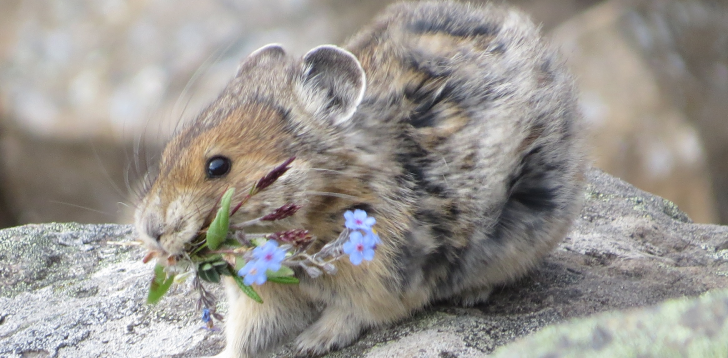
point(136, 148)
point(212, 58)
point(336, 195)
point(81, 207)
point(133, 190)
point(328, 170)
point(105, 172)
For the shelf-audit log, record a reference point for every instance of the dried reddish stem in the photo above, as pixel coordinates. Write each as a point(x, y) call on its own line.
point(265, 182)
point(282, 212)
point(273, 175)
point(235, 209)
point(296, 237)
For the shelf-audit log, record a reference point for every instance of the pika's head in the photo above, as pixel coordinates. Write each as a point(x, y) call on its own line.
point(275, 108)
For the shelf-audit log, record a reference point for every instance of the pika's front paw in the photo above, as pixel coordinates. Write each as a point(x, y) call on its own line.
point(336, 328)
point(315, 344)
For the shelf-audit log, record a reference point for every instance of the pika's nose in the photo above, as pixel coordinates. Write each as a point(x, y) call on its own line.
point(153, 227)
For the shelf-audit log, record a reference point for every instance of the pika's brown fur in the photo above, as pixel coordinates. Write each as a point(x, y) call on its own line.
point(454, 126)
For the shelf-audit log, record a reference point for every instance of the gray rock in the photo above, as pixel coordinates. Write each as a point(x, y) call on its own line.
point(677, 328)
point(69, 290)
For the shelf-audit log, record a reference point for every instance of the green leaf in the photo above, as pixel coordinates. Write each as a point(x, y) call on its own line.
point(246, 289)
point(209, 275)
point(210, 271)
point(160, 284)
point(285, 271)
point(218, 230)
point(239, 263)
point(221, 266)
point(285, 279)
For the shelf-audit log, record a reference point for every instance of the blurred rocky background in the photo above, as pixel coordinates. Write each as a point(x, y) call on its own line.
point(91, 89)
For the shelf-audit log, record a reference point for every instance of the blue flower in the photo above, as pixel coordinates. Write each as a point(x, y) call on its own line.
point(207, 318)
point(360, 247)
point(265, 257)
point(270, 255)
point(253, 272)
point(206, 315)
point(358, 220)
point(372, 235)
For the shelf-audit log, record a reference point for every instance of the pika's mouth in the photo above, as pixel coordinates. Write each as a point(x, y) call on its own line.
point(196, 240)
point(167, 251)
point(161, 255)
point(169, 258)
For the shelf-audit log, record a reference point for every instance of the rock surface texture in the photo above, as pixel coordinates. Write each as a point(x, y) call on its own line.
point(685, 327)
point(69, 290)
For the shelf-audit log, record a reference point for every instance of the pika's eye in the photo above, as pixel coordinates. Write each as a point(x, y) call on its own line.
point(218, 166)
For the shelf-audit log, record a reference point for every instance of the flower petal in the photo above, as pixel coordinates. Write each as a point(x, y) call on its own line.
point(275, 266)
point(356, 237)
point(260, 279)
point(369, 221)
point(349, 247)
point(248, 280)
point(371, 239)
point(368, 254)
point(246, 269)
point(279, 255)
point(258, 252)
point(355, 258)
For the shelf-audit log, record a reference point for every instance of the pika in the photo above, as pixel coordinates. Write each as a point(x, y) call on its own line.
point(455, 126)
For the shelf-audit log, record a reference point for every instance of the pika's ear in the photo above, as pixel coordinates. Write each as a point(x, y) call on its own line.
point(266, 54)
point(331, 83)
